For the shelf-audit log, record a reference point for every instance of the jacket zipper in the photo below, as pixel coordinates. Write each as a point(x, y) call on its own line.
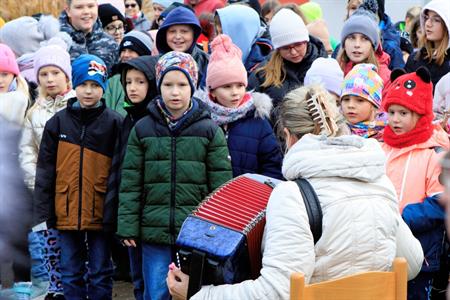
point(172, 191)
point(80, 175)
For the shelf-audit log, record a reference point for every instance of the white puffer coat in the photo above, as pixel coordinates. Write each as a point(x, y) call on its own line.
point(34, 125)
point(362, 227)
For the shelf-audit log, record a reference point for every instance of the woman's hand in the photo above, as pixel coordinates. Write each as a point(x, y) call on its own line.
point(129, 243)
point(177, 282)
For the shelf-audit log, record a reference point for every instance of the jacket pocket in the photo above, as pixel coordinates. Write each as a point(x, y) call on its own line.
point(62, 203)
point(97, 206)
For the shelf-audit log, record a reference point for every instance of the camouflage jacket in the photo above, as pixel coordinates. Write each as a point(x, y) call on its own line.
point(97, 42)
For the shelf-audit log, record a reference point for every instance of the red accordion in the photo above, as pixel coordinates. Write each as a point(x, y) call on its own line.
point(226, 230)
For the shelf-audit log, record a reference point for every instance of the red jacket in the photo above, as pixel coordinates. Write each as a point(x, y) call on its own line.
point(209, 6)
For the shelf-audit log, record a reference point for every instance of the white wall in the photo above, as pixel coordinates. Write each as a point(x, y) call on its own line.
point(334, 12)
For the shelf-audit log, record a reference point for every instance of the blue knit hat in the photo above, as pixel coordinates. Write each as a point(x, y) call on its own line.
point(89, 67)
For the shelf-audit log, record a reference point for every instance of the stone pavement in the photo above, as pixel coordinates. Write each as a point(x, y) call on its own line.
point(121, 290)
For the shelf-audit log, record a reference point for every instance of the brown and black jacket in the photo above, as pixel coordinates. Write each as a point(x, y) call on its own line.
point(73, 168)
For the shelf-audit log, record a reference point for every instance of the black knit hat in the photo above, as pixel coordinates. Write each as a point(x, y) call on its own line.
point(108, 13)
point(137, 41)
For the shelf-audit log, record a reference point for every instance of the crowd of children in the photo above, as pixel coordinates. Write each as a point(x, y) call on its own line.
point(127, 124)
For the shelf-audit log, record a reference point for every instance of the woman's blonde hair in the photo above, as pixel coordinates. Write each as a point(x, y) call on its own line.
point(309, 109)
point(274, 70)
point(432, 52)
point(343, 58)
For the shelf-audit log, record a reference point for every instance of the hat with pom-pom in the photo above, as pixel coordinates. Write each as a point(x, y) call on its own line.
point(25, 34)
point(364, 21)
point(363, 81)
point(8, 62)
point(225, 64)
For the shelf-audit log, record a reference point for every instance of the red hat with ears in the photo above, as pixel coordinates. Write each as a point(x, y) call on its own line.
point(411, 90)
point(415, 92)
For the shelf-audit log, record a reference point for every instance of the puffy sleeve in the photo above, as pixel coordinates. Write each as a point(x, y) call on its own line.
point(28, 152)
point(288, 247)
point(409, 248)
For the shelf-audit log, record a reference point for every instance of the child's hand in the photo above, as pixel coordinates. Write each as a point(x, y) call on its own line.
point(177, 282)
point(129, 243)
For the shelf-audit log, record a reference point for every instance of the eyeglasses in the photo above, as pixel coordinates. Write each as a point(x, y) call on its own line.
point(130, 5)
point(296, 46)
point(113, 29)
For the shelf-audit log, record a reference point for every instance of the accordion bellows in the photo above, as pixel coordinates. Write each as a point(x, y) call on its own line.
point(228, 226)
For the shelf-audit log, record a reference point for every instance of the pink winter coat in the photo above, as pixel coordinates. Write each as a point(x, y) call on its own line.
point(415, 170)
point(383, 66)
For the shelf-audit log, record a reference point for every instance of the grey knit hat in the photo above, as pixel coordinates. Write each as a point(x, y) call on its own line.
point(361, 23)
point(27, 35)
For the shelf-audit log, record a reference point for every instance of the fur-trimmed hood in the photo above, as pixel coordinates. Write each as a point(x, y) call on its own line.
point(263, 104)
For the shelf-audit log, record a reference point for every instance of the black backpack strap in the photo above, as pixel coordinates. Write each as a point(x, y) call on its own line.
point(313, 207)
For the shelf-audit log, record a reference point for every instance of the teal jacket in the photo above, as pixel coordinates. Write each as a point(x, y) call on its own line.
point(115, 95)
point(167, 173)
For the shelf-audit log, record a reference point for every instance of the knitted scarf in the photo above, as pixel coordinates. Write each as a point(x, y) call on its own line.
point(420, 134)
point(370, 129)
point(173, 123)
point(222, 115)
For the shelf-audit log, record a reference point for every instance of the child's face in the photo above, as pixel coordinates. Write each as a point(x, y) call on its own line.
point(229, 95)
point(180, 37)
point(53, 81)
point(434, 26)
point(89, 93)
point(357, 109)
point(128, 54)
point(136, 85)
point(357, 47)
point(5, 81)
point(176, 92)
point(402, 120)
point(83, 14)
point(157, 10)
point(352, 6)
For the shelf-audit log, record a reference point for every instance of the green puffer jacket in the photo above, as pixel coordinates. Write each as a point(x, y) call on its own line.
point(166, 174)
point(114, 95)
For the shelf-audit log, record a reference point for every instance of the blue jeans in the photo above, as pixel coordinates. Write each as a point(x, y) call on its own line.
point(155, 265)
point(135, 255)
point(36, 244)
point(77, 247)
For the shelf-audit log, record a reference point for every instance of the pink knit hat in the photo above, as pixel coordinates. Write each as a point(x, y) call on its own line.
point(225, 63)
point(52, 55)
point(8, 60)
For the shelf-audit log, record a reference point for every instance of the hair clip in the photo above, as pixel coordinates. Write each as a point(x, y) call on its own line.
point(322, 114)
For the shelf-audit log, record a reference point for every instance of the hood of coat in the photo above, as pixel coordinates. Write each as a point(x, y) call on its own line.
point(178, 16)
point(146, 64)
point(348, 156)
point(242, 24)
point(442, 8)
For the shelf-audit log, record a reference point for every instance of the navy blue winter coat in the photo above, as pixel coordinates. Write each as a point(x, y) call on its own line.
point(426, 221)
point(391, 42)
point(251, 141)
point(253, 147)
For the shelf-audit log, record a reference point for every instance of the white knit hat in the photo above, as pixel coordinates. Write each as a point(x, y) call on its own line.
point(326, 71)
point(286, 28)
